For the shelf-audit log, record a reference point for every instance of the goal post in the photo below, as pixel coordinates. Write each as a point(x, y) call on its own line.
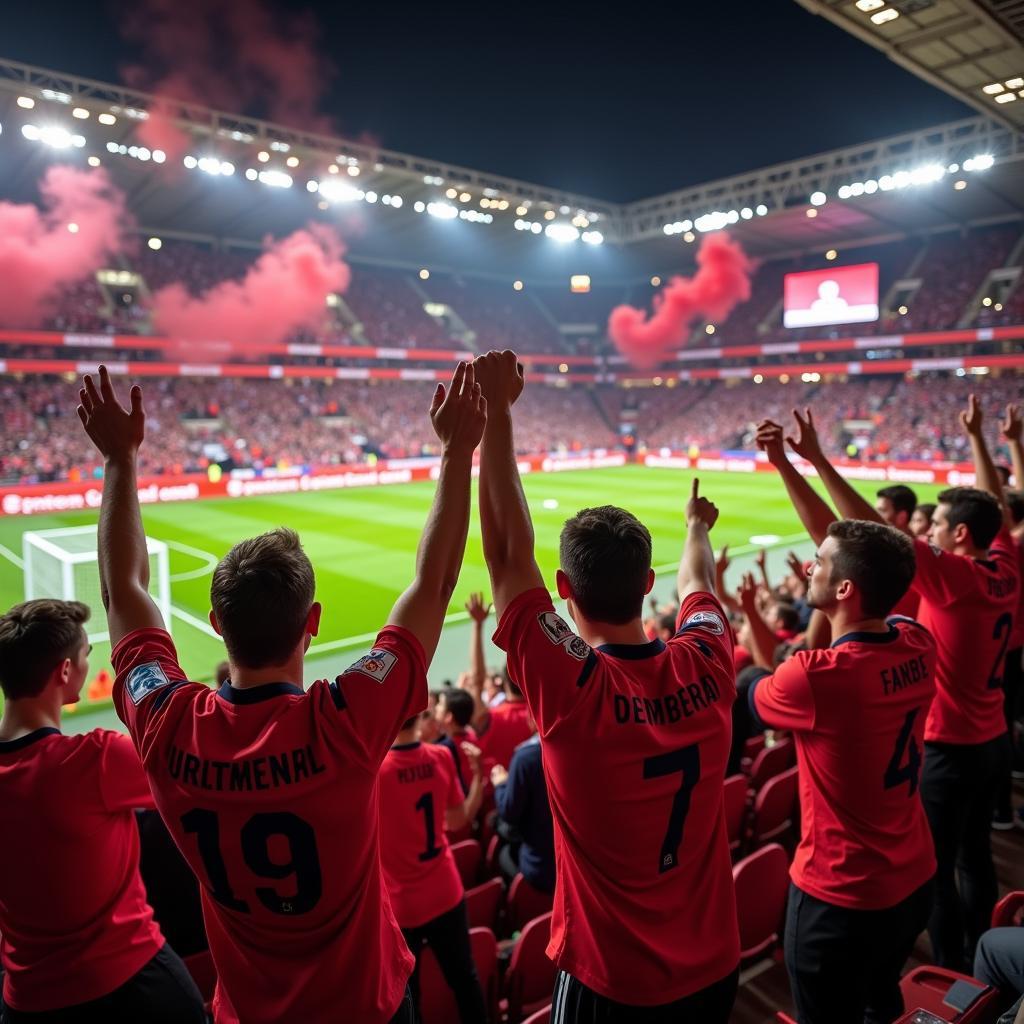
point(64, 564)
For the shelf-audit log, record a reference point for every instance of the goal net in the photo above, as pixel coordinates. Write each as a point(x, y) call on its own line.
point(64, 564)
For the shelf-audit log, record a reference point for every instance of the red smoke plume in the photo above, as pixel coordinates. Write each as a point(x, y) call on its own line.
point(722, 280)
point(39, 253)
point(228, 54)
point(286, 288)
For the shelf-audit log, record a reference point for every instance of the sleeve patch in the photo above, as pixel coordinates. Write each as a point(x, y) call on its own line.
point(144, 680)
point(711, 621)
point(555, 627)
point(377, 664)
point(578, 648)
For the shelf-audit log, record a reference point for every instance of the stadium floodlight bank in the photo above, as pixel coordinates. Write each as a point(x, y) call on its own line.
point(64, 564)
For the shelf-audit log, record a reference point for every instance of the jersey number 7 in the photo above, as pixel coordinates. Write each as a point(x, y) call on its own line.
point(685, 760)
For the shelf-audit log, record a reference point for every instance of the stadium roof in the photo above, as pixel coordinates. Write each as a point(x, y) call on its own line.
point(464, 219)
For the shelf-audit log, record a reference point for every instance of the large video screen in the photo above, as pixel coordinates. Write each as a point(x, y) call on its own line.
point(838, 295)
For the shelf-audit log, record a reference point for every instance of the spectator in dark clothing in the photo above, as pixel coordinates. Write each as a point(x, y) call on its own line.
point(524, 817)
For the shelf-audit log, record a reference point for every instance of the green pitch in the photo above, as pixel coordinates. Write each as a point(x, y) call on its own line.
point(362, 543)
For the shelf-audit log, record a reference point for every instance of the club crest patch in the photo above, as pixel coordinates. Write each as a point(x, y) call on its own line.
point(578, 648)
point(555, 627)
point(144, 680)
point(706, 620)
point(377, 664)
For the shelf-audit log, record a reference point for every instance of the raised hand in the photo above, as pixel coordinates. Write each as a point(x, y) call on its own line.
point(770, 441)
point(747, 593)
point(473, 756)
point(806, 443)
point(971, 417)
point(723, 561)
point(700, 510)
point(117, 432)
point(478, 611)
point(459, 413)
point(796, 567)
point(501, 376)
point(1011, 424)
point(761, 560)
point(499, 776)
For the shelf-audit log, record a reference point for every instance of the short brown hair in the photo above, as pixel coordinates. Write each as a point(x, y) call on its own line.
point(35, 637)
point(605, 553)
point(879, 559)
point(261, 593)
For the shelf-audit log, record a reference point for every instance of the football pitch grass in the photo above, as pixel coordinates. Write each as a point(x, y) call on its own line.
point(362, 543)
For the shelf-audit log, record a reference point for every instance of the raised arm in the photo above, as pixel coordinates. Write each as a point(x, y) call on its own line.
point(505, 523)
point(697, 570)
point(848, 501)
point(1012, 430)
point(810, 506)
point(478, 611)
point(459, 816)
point(722, 563)
point(763, 640)
point(984, 468)
point(458, 416)
point(123, 556)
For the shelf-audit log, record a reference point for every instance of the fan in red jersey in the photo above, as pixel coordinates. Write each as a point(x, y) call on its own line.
point(862, 877)
point(79, 940)
point(635, 738)
point(420, 797)
point(271, 791)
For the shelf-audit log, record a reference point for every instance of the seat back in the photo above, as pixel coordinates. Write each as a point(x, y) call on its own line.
point(762, 884)
point(468, 855)
point(925, 988)
point(530, 978)
point(525, 902)
point(735, 792)
point(437, 1001)
point(772, 761)
point(774, 808)
point(483, 902)
point(1009, 910)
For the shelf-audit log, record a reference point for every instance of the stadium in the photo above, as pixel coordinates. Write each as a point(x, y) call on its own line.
point(289, 300)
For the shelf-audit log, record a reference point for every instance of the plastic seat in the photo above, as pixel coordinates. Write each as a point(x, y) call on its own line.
point(774, 809)
point(437, 1001)
point(772, 761)
point(1009, 910)
point(468, 855)
point(762, 884)
point(491, 868)
point(530, 978)
point(483, 902)
point(735, 809)
point(525, 902)
point(925, 988)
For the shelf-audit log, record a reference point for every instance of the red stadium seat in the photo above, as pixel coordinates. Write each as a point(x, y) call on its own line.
point(525, 903)
point(437, 1002)
point(762, 883)
point(783, 1018)
point(540, 1017)
point(491, 868)
point(751, 748)
point(774, 809)
point(483, 902)
point(735, 809)
point(1009, 911)
point(925, 988)
point(468, 856)
point(530, 978)
point(770, 762)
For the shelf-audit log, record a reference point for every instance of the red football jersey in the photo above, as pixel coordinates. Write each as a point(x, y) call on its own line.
point(417, 785)
point(635, 741)
point(509, 726)
point(968, 605)
point(908, 605)
point(857, 711)
point(271, 795)
point(74, 921)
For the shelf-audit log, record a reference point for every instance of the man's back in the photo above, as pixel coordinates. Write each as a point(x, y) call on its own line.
point(271, 794)
point(635, 742)
point(509, 726)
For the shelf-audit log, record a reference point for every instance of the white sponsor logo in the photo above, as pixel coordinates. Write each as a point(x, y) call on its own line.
point(144, 680)
point(710, 621)
point(377, 664)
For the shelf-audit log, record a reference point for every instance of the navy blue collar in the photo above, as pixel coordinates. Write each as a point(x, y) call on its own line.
point(868, 638)
point(10, 746)
point(254, 694)
point(405, 746)
point(633, 652)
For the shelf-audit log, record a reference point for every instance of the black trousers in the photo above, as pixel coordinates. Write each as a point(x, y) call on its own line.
point(162, 992)
point(406, 1012)
point(1013, 691)
point(958, 787)
point(844, 965)
point(574, 1003)
point(448, 937)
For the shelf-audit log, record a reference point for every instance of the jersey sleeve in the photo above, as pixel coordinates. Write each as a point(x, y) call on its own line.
point(379, 691)
point(147, 674)
point(703, 625)
point(784, 700)
point(550, 663)
point(122, 781)
point(940, 577)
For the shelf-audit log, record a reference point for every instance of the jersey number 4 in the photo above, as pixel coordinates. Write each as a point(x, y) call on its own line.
point(303, 861)
point(686, 761)
point(896, 774)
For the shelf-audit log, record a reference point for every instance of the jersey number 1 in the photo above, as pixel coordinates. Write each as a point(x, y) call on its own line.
point(685, 760)
point(426, 805)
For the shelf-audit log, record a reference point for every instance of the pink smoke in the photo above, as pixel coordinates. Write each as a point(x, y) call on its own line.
point(39, 254)
point(721, 282)
point(285, 289)
point(234, 56)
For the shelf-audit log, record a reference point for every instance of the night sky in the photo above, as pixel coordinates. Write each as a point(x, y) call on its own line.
point(573, 96)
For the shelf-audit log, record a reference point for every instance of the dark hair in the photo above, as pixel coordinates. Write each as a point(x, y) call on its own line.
point(35, 637)
point(410, 722)
point(1015, 501)
point(878, 559)
point(1004, 474)
point(460, 704)
point(926, 508)
point(787, 614)
point(261, 593)
point(606, 555)
point(511, 687)
point(902, 497)
point(977, 510)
